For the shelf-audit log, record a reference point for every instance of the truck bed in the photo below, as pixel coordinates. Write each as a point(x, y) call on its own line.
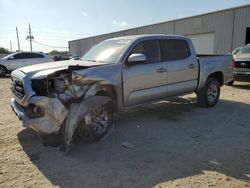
point(215, 63)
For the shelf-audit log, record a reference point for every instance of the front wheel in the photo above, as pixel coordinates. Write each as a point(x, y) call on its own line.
point(209, 95)
point(96, 124)
point(3, 71)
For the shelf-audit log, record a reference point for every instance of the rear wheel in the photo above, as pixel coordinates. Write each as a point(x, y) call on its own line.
point(209, 95)
point(3, 71)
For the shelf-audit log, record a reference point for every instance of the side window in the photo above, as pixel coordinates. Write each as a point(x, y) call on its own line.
point(175, 49)
point(28, 56)
point(38, 56)
point(151, 49)
point(31, 55)
point(21, 56)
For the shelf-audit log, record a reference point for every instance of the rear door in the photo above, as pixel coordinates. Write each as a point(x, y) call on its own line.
point(145, 82)
point(37, 58)
point(182, 66)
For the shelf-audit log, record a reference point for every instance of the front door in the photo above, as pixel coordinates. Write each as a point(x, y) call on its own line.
point(20, 60)
point(145, 82)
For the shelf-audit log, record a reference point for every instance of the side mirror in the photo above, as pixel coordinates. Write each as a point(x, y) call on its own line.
point(11, 58)
point(136, 59)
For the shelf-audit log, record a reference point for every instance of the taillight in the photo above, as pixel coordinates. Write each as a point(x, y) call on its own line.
point(233, 63)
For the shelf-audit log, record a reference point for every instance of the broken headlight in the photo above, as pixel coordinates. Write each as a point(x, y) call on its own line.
point(34, 111)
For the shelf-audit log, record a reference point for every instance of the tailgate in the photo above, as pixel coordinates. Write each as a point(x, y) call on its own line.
point(242, 65)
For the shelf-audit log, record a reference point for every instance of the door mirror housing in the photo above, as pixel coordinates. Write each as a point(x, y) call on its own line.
point(11, 58)
point(136, 59)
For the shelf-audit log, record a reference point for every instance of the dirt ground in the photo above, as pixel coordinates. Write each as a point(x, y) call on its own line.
point(175, 144)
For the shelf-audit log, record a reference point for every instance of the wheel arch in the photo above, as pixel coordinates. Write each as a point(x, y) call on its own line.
point(109, 91)
point(4, 68)
point(1, 65)
point(219, 76)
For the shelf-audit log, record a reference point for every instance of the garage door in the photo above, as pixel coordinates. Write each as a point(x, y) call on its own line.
point(203, 43)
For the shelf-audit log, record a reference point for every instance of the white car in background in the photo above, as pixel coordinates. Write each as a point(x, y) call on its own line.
point(22, 59)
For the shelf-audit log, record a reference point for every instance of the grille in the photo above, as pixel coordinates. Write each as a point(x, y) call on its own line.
point(17, 88)
point(242, 64)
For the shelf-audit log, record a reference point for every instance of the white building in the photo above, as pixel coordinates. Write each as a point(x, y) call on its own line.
point(216, 32)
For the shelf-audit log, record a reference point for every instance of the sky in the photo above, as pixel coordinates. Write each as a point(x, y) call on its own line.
point(55, 22)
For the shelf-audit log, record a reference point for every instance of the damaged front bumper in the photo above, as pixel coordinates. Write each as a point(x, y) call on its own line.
point(53, 115)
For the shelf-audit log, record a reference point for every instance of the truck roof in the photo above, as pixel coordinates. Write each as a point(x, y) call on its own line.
point(135, 37)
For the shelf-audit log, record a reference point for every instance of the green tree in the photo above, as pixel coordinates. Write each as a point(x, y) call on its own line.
point(54, 52)
point(4, 50)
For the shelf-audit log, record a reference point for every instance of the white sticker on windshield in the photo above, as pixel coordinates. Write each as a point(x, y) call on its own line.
point(123, 41)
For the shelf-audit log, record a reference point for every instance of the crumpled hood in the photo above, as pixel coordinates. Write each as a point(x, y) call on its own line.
point(45, 69)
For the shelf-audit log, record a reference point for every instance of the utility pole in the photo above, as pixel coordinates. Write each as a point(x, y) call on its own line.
point(30, 38)
point(17, 39)
point(10, 46)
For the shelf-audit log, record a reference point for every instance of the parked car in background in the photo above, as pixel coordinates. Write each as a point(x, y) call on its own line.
point(57, 58)
point(22, 59)
point(242, 65)
point(75, 58)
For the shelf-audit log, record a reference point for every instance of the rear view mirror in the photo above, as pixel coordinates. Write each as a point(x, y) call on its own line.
point(136, 59)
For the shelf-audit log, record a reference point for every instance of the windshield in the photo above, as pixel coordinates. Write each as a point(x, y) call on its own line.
point(236, 50)
point(245, 50)
point(8, 56)
point(108, 51)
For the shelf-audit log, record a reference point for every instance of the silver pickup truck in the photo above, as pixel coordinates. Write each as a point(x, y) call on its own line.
point(80, 96)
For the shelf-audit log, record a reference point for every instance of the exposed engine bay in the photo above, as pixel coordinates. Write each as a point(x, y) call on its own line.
point(60, 85)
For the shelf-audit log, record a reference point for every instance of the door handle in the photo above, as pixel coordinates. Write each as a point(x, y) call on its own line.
point(161, 70)
point(191, 66)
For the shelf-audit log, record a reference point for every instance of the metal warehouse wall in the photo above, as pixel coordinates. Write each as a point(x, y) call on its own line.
point(229, 27)
point(241, 22)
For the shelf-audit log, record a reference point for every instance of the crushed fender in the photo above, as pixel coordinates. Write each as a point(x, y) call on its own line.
point(77, 112)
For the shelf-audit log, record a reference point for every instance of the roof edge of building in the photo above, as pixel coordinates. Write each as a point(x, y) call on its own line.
point(169, 21)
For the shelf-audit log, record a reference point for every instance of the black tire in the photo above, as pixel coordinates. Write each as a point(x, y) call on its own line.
point(88, 132)
point(3, 71)
point(230, 83)
point(209, 95)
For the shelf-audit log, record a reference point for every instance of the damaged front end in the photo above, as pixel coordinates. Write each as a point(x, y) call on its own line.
point(64, 100)
point(44, 115)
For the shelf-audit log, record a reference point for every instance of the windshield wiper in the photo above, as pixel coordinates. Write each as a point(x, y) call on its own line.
point(92, 60)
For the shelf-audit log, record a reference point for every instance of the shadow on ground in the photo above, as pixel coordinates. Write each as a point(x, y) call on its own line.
point(242, 85)
point(172, 139)
point(6, 77)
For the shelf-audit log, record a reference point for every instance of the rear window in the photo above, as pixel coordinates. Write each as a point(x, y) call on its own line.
point(245, 50)
point(37, 56)
point(175, 49)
